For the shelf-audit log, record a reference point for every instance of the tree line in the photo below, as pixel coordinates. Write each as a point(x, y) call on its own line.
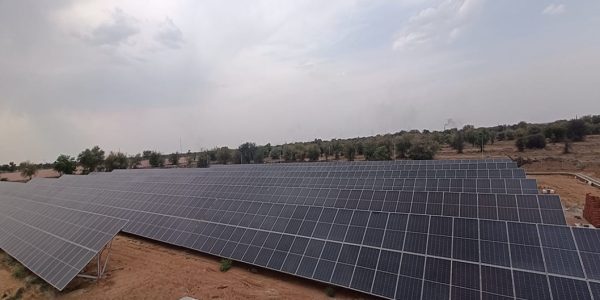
point(414, 144)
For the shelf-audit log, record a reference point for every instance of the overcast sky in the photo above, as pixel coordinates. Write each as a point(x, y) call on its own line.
point(135, 75)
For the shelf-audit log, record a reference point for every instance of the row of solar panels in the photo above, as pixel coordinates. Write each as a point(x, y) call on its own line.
point(362, 166)
point(525, 208)
point(293, 239)
point(482, 173)
point(394, 244)
point(206, 184)
point(53, 241)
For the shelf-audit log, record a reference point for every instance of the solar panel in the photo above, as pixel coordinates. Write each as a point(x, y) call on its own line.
point(463, 255)
point(397, 244)
point(545, 209)
point(54, 242)
point(264, 172)
point(355, 166)
point(204, 184)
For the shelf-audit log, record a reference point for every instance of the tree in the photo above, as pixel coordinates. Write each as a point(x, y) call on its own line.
point(555, 132)
point(369, 150)
point(458, 142)
point(360, 148)
point(501, 136)
point(90, 159)
point(313, 153)
point(203, 160)
point(248, 152)
point(116, 160)
point(510, 134)
point(349, 151)
point(155, 159)
point(520, 144)
point(275, 153)
point(422, 149)
point(482, 138)
point(381, 153)
point(259, 157)
point(223, 155)
point(174, 159)
point(531, 130)
point(146, 154)
point(289, 153)
point(403, 145)
point(337, 148)
point(536, 141)
point(135, 161)
point(65, 164)
point(28, 169)
point(576, 130)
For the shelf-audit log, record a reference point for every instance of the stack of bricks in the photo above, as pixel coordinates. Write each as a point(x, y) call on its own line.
point(591, 210)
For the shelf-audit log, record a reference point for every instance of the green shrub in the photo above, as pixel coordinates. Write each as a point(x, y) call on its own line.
point(520, 144)
point(423, 149)
point(330, 291)
point(576, 130)
point(225, 264)
point(536, 141)
point(19, 272)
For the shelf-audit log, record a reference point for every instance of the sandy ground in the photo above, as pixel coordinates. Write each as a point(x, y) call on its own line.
point(142, 269)
point(16, 176)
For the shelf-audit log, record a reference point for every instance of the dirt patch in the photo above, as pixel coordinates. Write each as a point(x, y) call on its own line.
point(143, 269)
point(16, 176)
point(28, 285)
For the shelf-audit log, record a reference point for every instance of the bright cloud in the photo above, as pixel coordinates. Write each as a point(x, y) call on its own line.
point(439, 24)
point(554, 9)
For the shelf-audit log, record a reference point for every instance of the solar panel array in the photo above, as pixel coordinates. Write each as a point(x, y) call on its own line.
point(455, 239)
point(54, 242)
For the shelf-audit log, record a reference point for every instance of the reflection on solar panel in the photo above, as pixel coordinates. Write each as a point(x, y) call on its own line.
point(499, 240)
point(54, 242)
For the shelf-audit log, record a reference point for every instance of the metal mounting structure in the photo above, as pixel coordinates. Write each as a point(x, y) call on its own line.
point(100, 267)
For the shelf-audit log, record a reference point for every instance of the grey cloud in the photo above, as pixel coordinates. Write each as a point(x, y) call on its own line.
point(115, 31)
point(169, 35)
point(280, 71)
